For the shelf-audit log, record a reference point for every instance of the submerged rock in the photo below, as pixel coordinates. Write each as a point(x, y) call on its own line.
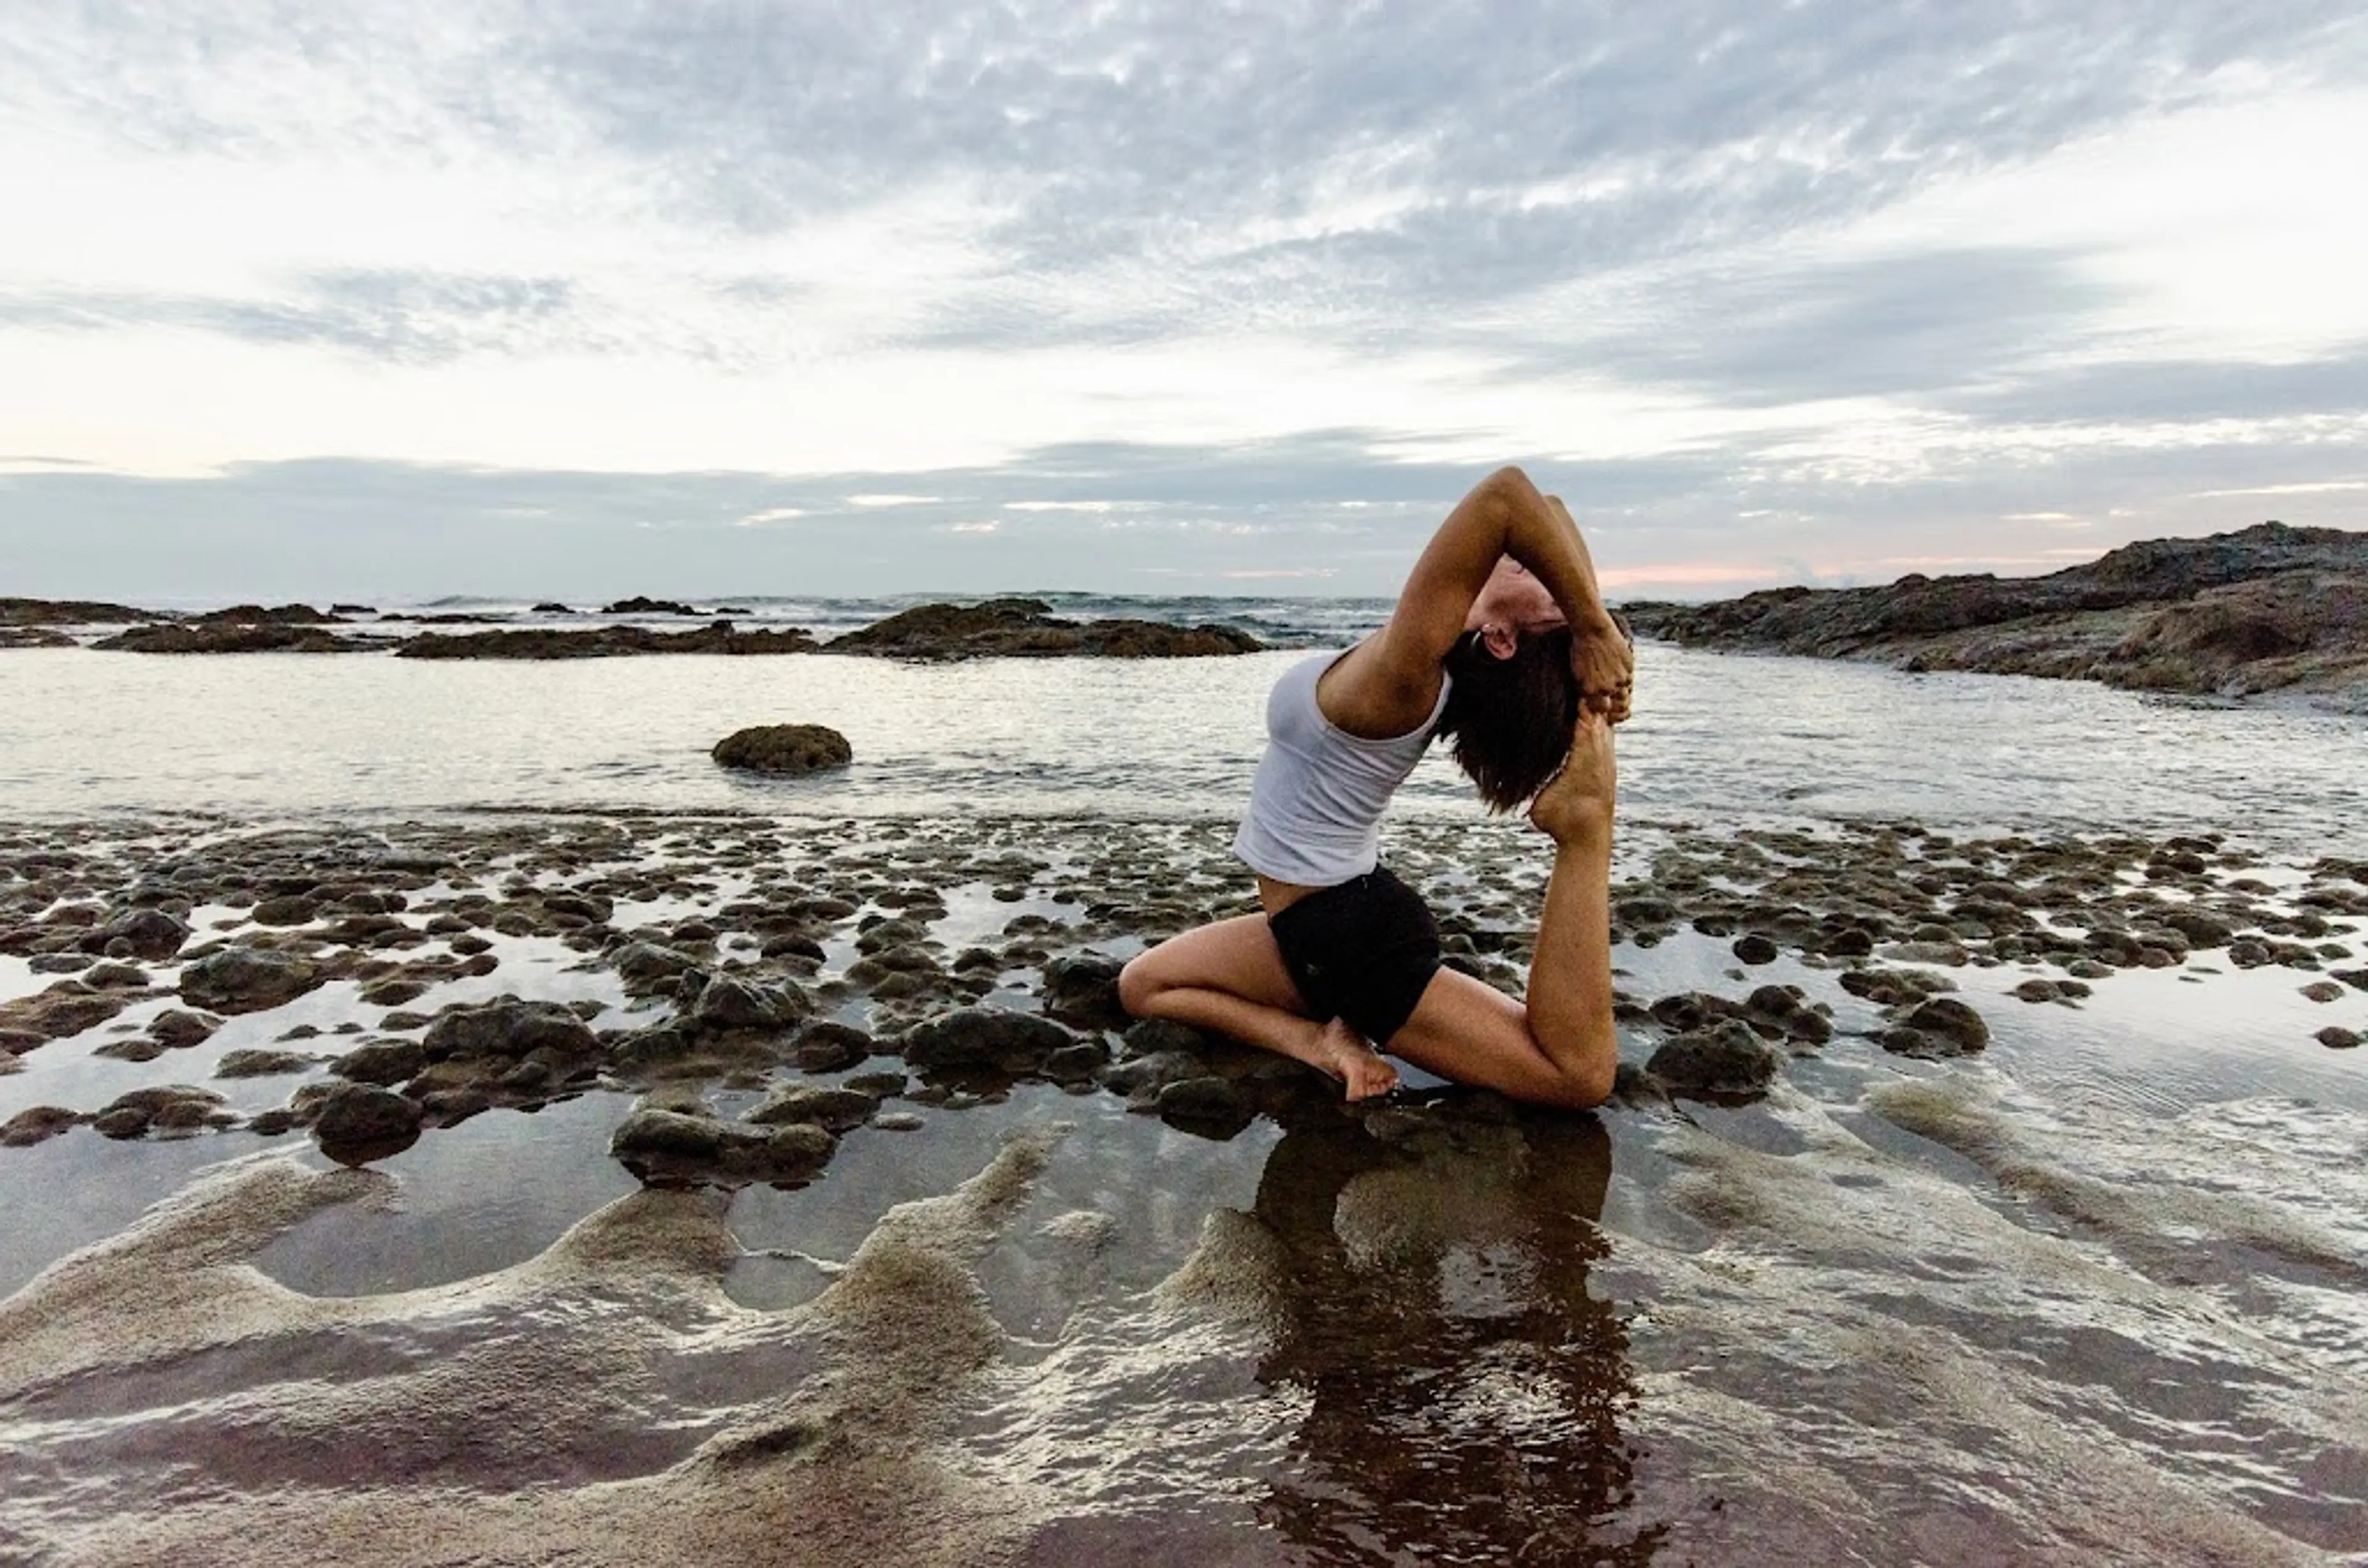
point(1083, 991)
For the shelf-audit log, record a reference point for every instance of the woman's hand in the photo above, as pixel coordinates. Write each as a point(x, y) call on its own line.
point(1603, 662)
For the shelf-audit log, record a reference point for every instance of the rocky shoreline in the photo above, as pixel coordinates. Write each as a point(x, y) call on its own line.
point(1004, 628)
point(2264, 610)
point(764, 987)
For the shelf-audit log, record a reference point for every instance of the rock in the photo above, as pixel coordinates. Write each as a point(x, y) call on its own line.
point(825, 1046)
point(1141, 1078)
point(546, 643)
point(248, 979)
point(1754, 949)
point(2355, 977)
point(360, 1122)
point(898, 1121)
point(260, 1063)
point(150, 934)
point(1942, 1027)
point(38, 1124)
point(1780, 1010)
point(1154, 1036)
point(1078, 1063)
point(1207, 1104)
point(2336, 1038)
point(2269, 607)
point(825, 1105)
point(1017, 628)
point(1895, 987)
point(176, 1029)
point(2323, 991)
point(1727, 1058)
point(1083, 991)
point(645, 967)
point(673, 1147)
point(642, 605)
point(726, 1005)
point(509, 1027)
point(175, 1107)
point(790, 749)
point(2040, 991)
point(192, 638)
point(981, 1037)
point(383, 1062)
point(288, 909)
point(64, 1009)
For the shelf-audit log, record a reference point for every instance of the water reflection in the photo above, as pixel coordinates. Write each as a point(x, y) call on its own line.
point(1465, 1392)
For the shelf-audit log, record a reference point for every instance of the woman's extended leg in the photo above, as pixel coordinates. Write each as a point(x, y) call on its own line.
point(1561, 1048)
point(1229, 977)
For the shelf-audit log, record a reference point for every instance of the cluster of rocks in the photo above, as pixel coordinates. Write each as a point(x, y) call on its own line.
point(1000, 628)
point(759, 959)
point(2265, 608)
point(1017, 628)
point(603, 643)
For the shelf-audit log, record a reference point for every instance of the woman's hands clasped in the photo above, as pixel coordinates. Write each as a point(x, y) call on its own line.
point(1603, 662)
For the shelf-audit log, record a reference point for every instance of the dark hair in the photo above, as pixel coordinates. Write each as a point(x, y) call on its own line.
point(1510, 719)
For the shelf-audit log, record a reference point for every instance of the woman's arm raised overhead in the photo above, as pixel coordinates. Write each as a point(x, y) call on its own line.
point(1388, 685)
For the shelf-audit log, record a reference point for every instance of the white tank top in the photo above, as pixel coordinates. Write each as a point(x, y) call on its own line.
point(1316, 804)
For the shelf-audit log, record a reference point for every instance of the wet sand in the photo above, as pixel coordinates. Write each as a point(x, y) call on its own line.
point(728, 1188)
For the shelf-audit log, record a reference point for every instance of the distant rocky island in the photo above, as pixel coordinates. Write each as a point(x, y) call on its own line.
point(2264, 610)
point(1004, 628)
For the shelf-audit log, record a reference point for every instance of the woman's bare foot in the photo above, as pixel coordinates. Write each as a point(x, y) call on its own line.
point(1362, 1071)
point(1577, 800)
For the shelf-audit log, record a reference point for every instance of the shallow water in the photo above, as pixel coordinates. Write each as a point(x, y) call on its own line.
point(2099, 1294)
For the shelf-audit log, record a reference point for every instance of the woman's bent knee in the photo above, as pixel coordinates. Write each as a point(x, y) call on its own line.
point(1137, 984)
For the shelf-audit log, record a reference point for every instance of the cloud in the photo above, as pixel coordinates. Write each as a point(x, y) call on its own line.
point(1810, 285)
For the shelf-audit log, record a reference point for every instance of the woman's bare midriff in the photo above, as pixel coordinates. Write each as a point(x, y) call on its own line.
point(1274, 897)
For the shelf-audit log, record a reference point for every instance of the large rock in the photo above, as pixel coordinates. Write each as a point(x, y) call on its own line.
point(248, 979)
point(789, 749)
point(2267, 608)
point(984, 1037)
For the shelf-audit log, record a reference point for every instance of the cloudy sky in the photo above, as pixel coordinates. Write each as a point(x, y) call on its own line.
point(576, 297)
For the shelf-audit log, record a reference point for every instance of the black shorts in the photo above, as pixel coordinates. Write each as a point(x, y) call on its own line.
point(1361, 951)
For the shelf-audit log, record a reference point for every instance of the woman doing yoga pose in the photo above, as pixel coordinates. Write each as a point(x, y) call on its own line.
point(1500, 642)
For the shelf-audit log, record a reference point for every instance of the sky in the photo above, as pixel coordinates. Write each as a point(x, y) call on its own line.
point(577, 298)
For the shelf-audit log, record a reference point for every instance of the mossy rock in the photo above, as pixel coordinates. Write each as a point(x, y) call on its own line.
point(784, 748)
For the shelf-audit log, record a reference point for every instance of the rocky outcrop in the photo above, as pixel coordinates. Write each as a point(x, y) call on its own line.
point(602, 642)
point(784, 748)
point(68, 612)
point(2266, 608)
point(1027, 629)
point(235, 637)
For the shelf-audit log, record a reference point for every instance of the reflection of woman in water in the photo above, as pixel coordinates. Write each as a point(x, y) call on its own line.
point(1463, 1390)
point(1501, 641)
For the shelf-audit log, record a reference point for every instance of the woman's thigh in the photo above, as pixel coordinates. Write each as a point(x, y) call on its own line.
point(1236, 955)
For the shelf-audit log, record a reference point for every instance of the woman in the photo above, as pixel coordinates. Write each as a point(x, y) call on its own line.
point(1500, 641)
